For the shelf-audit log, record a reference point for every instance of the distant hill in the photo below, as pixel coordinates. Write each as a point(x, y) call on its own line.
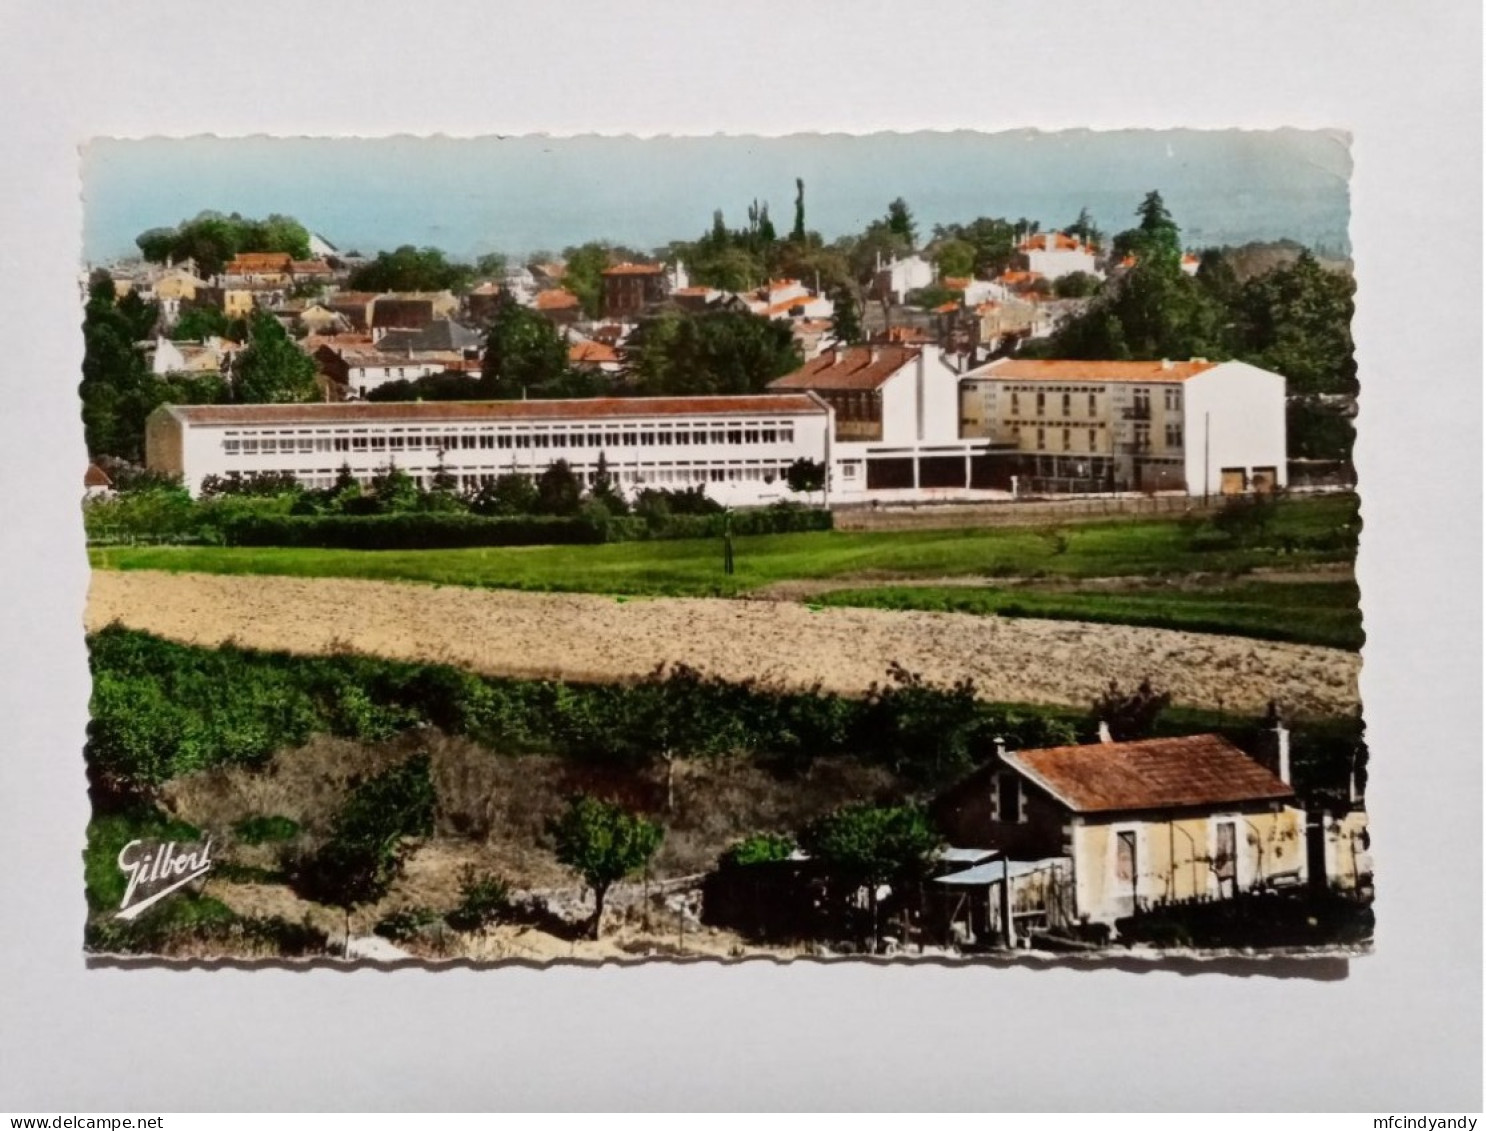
point(1260, 257)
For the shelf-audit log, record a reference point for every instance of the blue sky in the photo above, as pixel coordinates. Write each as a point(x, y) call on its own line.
point(519, 195)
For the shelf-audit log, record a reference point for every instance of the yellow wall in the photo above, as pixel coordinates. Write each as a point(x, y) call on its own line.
point(1019, 424)
point(1173, 858)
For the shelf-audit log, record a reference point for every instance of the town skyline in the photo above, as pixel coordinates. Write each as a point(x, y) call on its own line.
point(1229, 187)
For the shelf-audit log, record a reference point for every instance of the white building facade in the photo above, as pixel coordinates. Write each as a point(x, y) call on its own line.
point(1055, 254)
point(736, 448)
point(896, 436)
point(1199, 427)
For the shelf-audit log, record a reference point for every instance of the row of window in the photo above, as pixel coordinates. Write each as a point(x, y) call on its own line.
point(467, 441)
point(1142, 437)
point(324, 478)
point(1142, 402)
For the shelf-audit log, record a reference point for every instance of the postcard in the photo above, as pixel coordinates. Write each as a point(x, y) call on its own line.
point(897, 547)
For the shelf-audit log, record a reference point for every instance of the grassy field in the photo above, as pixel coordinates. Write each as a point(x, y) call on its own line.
point(1145, 547)
point(1302, 612)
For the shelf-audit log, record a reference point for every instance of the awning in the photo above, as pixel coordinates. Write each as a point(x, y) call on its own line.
point(983, 875)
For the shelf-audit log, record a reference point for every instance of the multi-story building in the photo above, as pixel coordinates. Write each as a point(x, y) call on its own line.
point(897, 428)
point(736, 448)
point(1055, 254)
point(629, 288)
point(1197, 426)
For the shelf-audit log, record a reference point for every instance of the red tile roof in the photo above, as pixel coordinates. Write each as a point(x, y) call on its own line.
point(556, 300)
point(1144, 371)
point(592, 353)
point(1158, 773)
point(857, 367)
point(95, 476)
point(597, 408)
point(248, 262)
point(635, 269)
point(1053, 241)
point(956, 282)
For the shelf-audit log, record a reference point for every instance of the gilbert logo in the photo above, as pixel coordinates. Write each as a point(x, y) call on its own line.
point(157, 868)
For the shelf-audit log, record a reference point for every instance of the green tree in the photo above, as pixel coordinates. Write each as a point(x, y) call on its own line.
point(364, 852)
point(583, 274)
point(955, 258)
point(846, 318)
point(605, 492)
point(603, 844)
point(491, 264)
point(1077, 284)
point(411, 269)
point(925, 732)
point(900, 222)
point(797, 233)
point(507, 495)
point(272, 369)
point(1130, 715)
point(395, 490)
point(522, 351)
point(805, 476)
point(872, 845)
point(199, 323)
point(559, 491)
point(1084, 228)
point(720, 352)
point(212, 239)
point(1297, 320)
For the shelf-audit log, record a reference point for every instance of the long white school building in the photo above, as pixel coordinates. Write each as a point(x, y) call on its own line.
point(738, 448)
point(891, 424)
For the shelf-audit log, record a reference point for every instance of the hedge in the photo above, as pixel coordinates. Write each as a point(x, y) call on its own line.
point(436, 531)
point(411, 531)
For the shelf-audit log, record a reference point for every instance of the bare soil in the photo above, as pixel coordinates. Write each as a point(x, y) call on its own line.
point(596, 638)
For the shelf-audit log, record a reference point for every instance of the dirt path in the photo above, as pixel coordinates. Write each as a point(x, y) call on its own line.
point(588, 637)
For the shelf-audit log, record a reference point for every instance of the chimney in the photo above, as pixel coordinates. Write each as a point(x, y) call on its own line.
point(1276, 746)
point(1165, 363)
point(840, 355)
point(1104, 735)
point(1000, 747)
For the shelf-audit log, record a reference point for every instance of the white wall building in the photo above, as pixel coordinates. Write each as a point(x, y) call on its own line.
point(1197, 426)
point(893, 280)
point(1054, 254)
point(736, 448)
point(897, 435)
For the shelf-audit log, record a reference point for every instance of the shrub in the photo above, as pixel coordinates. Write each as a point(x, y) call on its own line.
point(401, 926)
point(262, 830)
point(483, 899)
point(760, 848)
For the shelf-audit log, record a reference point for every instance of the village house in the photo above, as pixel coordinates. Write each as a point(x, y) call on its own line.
point(214, 355)
point(96, 483)
point(412, 310)
point(354, 306)
point(560, 307)
point(1055, 254)
point(482, 303)
point(1197, 426)
point(892, 281)
point(361, 371)
point(1114, 828)
point(630, 288)
point(596, 357)
point(255, 269)
point(788, 300)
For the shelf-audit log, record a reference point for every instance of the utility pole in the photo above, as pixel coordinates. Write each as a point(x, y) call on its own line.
point(1207, 469)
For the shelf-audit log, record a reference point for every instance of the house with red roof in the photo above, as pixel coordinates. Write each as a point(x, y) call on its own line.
point(1122, 827)
point(1055, 254)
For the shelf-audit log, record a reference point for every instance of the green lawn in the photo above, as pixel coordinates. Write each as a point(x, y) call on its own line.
point(694, 568)
point(1303, 612)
